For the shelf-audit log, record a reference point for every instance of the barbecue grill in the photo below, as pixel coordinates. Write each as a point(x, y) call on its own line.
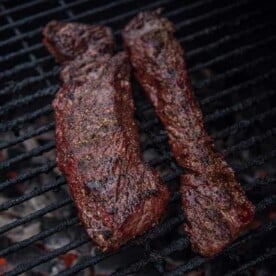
point(230, 52)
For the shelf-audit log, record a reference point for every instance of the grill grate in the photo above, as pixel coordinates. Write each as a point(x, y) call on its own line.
point(230, 55)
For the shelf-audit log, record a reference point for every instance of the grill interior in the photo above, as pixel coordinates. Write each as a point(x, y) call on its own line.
point(230, 51)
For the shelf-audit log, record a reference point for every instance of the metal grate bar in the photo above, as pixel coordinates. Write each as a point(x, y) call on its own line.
point(174, 246)
point(237, 22)
point(8, 125)
point(25, 45)
point(218, 135)
point(31, 79)
point(86, 263)
point(233, 71)
point(220, 113)
point(185, 8)
point(154, 141)
point(42, 235)
point(262, 205)
point(21, 36)
point(146, 126)
point(265, 203)
point(30, 64)
point(68, 11)
point(32, 153)
point(165, 157)
point(247, 144)
point(260, 259)
point(205, 101)
point(194, 263)
point(38, 192)
point(21, 7)
point(42, 259)
point(238, 87)
point(227, 38)
point(28, 99)
point(198, 261)
point(258, 161)
point(25, 65)
point(188, 7)
point(40, 45)
point(251, 141)
point(236, 52)
point(33, 193)
point(224, 76)
point(172, 176)
point(13, 87)
point(191, 264)
point(147, 7)
point(61, 226)
point(31, 33)
point(25, 50)
point(39, 15)
point(37, 214)
point(127, 14)
point(213, 13)
point(55, 253)
point(20, 85)
point(45, 168)
point(243, 124)
point(182, 244)
point(260, 182)
point(166, 227)
point(253, 235)
point(28, 135)
point(161, 230)
point(248, 187)
point(70, 5)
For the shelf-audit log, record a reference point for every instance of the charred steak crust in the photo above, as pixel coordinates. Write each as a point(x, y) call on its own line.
point(117, 196)
point(68, 41)
point(214, 204)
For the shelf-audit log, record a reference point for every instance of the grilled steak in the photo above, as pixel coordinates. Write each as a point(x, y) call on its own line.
point(213, 202)
point(117, 196)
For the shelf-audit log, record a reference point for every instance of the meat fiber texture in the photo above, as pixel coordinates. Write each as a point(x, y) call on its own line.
point(214, 204)
point(117, 196)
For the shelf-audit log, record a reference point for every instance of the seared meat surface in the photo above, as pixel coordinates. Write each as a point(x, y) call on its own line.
point(69, 41)
point(117, 196)
point(214, 204)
